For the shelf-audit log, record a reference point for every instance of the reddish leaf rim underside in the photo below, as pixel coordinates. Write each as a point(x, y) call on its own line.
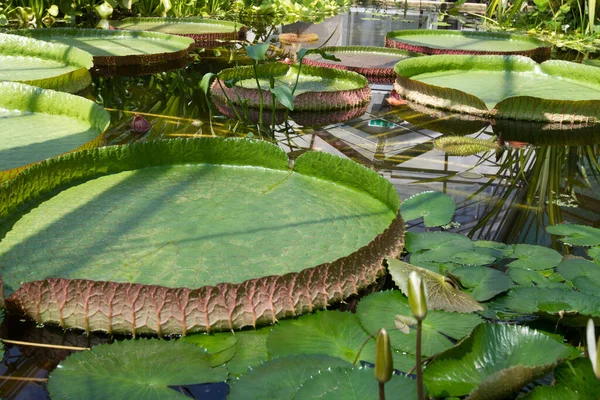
point(308, 101)
point(539, 54)
point(136, 309)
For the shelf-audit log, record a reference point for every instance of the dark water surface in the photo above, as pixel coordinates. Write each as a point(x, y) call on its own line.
point(509, 195)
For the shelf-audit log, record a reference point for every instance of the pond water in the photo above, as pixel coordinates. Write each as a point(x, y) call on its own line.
point(509, 195)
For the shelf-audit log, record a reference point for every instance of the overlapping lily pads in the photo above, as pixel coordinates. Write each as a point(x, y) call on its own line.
point(206, 32)
point(468, 42)
point(505, 87)
point(36, 124)
point(318, 88)
point(375, 63)
point(147, 250)
point(49, 66)
point(116, 49)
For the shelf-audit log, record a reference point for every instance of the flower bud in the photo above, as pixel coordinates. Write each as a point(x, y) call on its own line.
point(416, 296)
point(140, 124)
point(592, 347)
point(384, 365)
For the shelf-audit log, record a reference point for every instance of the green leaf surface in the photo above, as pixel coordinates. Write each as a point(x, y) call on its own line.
point(594, 253)
point(132, 369)
point(576, 235)
point(552, 393)
point(573, 268)
point(578, 376)
point(436, 208)
point(251, 350)
point(535, 257)
point(284, 95)
point(441, 293)
point(494, 362)
point(526, 277)
point(353, 384)
point(257, 51)
point(221, 347)
point(177, 26)
point(280, 378)
point(442, 241)
point(423, 260)
point(378, 310)
point(483, 283)
point(500, 250)
point(38, 63)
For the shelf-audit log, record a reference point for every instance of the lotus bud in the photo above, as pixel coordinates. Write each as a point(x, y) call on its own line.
point(384, 365)
point(592, 347)
point(103, 24)
point(416, 296)
point(140, 124)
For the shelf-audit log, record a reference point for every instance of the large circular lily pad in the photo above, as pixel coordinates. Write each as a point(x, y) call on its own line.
point(36, 124)
point(468, 42)
point(49, 66)
point(375, 63)
point(206, 32)
point(184, 236)
point(508, 87)
point(111, 48)
point(318, 89)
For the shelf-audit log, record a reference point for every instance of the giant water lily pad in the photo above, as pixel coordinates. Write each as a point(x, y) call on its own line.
point(494, 362)
point(182, 215)
point(318, 88)
point(132, 369)
point(36, 124)
point(49, 66)
point(547, 134)
point(206, 32)
point(117, 48)
point(468, 42)
point(510, 87)
point(375, 63)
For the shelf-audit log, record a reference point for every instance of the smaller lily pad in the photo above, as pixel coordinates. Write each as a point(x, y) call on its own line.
point(436, 208)
point(495, 361)
point(576, 235)
point(280, 378)
point(442, 294)
point(220, 347)
point(526, 277)
point(500, 250)
point(143, 368)
point(573, 268)
point(483, 283)
point(418, 241)
point(358, 383)
point(594, 253)
point(535, 257)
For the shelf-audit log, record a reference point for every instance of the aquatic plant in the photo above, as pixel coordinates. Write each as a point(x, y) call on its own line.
point(464, 146)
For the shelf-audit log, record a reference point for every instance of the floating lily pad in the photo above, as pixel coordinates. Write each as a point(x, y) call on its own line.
point(464, 146)
point(494, 362)
point(447, 248)
point(117, 48)
point(535, 257)
point(547, 134)
point(573, 308)
point(503, 87)
point(500, 250)
point(280, 378)
point(37, 124)
point(181, 214)
point(576, 235)
point(132, 369)
point(378, 310)
point(220, 347)
point(206, 32)
point(442, 294)
point(436, 208)
point(584, 274)
point(468, 42)
point(483, 283)
point(573, 380)
point(49, 66)
point(375, 63)
point(289, 38)
point(358, 383)
point(416, 242)
point(318, 88)
point(333, 333)
point(526, 277)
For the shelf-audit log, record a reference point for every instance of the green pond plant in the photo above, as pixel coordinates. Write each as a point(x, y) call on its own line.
point(418, 305)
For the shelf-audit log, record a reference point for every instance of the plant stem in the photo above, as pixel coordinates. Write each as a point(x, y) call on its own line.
point(419, 367)
point(260, 104)
point(381, 391)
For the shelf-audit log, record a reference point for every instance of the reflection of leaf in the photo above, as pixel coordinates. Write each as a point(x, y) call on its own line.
point(483, 282)
point(344, 383)
point(280, 378)
point(380, 310)
point(441, 294)
point(494, 362)
point(576, 235)
point(436, 208)
point(535, 257)
point(132, 369)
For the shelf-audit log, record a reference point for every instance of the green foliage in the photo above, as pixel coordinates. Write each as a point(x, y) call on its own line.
point(436, 208)
point(482, 283)
point(535, 257)
point(576, 235)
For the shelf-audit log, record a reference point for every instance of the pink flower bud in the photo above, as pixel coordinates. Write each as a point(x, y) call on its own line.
point(140, 124)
